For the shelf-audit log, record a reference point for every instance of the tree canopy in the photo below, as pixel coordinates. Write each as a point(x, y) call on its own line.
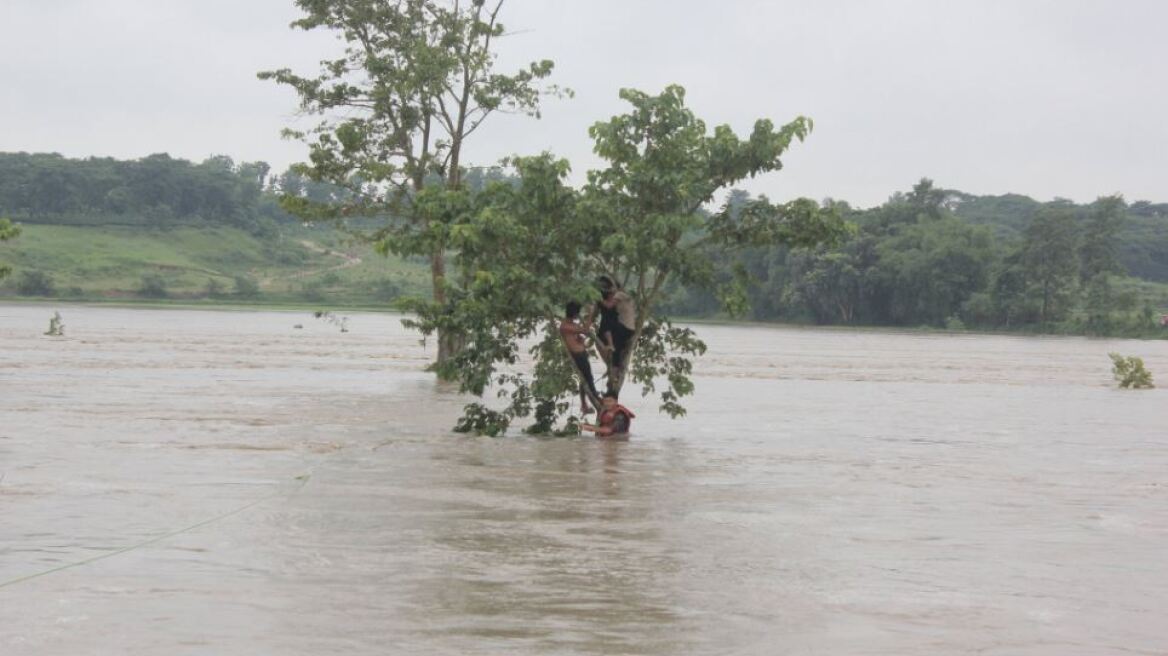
point(525, 249)
point(417, 78)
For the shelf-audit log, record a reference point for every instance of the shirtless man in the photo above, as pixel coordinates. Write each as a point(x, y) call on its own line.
point(573, 333)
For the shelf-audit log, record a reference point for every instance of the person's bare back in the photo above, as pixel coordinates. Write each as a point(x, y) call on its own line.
point(574, 334)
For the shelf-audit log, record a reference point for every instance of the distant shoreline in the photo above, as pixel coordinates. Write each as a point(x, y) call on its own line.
point(293, 306)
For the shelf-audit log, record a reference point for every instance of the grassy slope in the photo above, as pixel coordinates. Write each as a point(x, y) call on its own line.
point(302, 265)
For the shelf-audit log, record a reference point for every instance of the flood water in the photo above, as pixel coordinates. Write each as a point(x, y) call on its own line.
point(250, 488)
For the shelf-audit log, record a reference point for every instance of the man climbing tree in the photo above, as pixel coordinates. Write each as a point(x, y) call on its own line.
point(575, 335)
point(618, 318)
point(641, 222)
point(417, 78)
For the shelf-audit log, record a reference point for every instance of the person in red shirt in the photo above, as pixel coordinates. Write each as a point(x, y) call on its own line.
point(614, 421)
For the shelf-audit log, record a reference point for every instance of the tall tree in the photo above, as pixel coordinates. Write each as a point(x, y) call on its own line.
point(927, 199)
point(830, 283)
point(528, 248)
point(1099, 257)
point(1008, 291)
point(416, 80)
point(929, 269)
point(1051, 260)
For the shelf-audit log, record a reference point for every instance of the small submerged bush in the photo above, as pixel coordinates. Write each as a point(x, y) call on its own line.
point(56, 326)
point(1130, 372)
point(481, 420)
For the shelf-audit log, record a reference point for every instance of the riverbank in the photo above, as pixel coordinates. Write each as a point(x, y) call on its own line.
point(294, 305)
point(243, 305)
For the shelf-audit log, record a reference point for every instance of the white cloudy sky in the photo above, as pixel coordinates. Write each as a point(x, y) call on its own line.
point(1044, 97)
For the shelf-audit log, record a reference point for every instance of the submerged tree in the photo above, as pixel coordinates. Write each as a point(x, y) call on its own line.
point(528, 248)
point(417, 78)
point(1129, 372)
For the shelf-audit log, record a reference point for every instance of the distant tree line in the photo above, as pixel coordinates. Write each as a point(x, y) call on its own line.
point(930, 256)
point(155, 191)
point(162, 191)
point(943, 258)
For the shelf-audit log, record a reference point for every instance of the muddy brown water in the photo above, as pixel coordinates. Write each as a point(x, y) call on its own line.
point(296, 491)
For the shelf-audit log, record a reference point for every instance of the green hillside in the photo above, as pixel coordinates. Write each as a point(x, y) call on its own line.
point(214, 263)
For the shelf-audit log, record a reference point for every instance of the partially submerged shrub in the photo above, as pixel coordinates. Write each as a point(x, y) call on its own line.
point(56, 326)
point(1130, 372)
point(481, 420)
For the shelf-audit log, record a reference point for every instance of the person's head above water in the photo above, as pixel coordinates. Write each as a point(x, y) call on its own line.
point(609, 400)
point(572, 310)
point(606, 284)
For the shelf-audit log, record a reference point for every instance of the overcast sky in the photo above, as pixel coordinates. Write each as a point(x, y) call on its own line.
point(1043, 97)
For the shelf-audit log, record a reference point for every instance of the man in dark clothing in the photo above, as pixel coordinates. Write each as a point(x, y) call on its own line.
point(573, 334)
point(618, 316)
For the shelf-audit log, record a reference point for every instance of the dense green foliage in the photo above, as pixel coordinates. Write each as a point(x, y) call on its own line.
point(942, 258)
point(155, 191)
point(524, 249)
point(1142, 246)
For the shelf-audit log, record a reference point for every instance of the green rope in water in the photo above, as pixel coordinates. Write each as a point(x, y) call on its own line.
point(303, 478)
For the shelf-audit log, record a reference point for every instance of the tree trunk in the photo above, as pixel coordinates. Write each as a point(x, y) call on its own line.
point(448, 344)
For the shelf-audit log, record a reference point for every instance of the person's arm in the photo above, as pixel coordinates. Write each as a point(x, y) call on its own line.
point(601, 431)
